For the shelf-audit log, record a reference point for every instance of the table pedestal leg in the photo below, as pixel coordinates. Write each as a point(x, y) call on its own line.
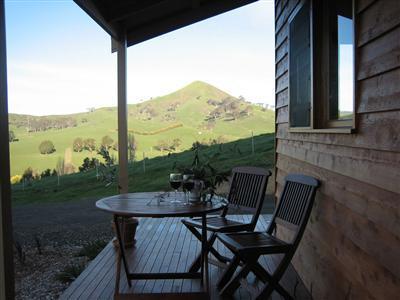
point(204, 252)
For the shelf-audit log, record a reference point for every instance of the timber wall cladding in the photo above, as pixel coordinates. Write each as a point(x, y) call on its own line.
point(351, 248)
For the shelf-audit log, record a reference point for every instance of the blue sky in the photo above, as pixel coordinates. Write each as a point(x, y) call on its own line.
point(59, 59)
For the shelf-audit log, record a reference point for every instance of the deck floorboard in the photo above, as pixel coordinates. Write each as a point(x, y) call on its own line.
point(165, 245)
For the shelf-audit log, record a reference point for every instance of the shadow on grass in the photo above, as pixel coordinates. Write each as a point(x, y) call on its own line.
point(149, 175)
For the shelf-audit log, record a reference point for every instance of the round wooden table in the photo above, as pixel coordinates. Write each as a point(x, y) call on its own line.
point(158, 205)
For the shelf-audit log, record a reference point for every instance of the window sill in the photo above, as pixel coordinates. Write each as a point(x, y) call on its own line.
point(324, 130)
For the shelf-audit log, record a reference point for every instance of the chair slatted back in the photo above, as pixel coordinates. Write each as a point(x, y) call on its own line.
point(247, 190)
point(295, 204)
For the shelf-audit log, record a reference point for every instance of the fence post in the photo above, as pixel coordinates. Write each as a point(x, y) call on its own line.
point(252, 142)
point(144, 162)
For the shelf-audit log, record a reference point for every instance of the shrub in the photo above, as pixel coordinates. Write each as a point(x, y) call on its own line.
point(77, 145)
point(89, 144)
point(28, 174)
point(88, 164)
point(46, 173)
point(46, 147)
point(106, 141)
point(11, 136)
point(92, 249)
point(70, 273)
point(16, 179)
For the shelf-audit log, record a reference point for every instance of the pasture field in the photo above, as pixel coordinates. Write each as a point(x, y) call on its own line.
point(85, 185)
point(182, 114)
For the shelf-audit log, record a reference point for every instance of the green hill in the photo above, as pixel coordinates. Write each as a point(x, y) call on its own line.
point(197, 112)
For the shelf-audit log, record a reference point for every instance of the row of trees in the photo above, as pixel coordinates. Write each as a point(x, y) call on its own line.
point(80, 144)
point(35, 124)
point(107, 142)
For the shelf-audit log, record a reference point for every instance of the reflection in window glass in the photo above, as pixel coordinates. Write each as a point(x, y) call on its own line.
point(345, 67)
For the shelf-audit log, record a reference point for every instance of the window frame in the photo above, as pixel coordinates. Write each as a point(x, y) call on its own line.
point(320, 121)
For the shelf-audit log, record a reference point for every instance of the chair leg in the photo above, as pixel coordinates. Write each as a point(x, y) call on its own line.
point(269, 288)
point(228, 273)
point(234, 283)
point(196, 265)
point(272, 283)
point(218, 256)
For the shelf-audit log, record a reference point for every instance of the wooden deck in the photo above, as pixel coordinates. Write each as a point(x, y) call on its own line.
point(165, 245)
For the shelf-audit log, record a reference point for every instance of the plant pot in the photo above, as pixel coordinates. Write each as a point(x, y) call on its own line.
point(128, 232)
point(195, 195)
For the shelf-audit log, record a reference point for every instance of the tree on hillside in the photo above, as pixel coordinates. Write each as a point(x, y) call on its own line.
point(46, 147)
point(115, 146)
point(176, 143)
point(132, 147)
point(88, 164)
point(247, 111)
point(213, 102)
point(152, 112)
point(78, 144)
point(106, 141)
point(11, 136)
point(28, 174)
point(162, 145)
point(45, 173)
point(89, 144)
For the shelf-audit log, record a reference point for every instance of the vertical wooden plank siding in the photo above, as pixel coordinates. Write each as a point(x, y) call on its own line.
point(351, 247)
point(6, 253)
point(122, 118)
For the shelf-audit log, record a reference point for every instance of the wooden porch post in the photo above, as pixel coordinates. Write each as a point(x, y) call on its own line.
point(6, 242)
point(122, 118)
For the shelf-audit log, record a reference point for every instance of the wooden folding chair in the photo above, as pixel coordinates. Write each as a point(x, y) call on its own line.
point(247, 192)
point(292, 212)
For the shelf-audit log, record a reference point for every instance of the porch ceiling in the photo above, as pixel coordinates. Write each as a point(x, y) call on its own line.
point(143, 20)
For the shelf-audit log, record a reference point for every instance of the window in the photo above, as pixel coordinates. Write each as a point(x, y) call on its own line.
point(321, 65)
point(300, 69)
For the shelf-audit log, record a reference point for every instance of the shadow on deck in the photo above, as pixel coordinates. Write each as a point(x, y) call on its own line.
point(165, 245)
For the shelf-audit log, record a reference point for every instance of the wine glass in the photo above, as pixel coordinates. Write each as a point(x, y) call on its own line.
point(175, 180)
point(187, 184)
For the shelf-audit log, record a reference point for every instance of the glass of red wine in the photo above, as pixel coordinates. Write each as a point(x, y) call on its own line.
point(175, 180)
point(187, 185)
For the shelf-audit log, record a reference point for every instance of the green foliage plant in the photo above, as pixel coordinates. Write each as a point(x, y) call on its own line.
point(202, 168)
point(107, 170)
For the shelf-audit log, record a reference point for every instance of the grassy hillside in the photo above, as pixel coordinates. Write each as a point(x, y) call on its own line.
point(79, 186)
point(181, 114)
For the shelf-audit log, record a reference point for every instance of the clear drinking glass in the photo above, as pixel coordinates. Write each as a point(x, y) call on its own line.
point(187, 185)
point(175, 180)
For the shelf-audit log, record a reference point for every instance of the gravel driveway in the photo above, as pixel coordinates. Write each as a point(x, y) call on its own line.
point(60, 223)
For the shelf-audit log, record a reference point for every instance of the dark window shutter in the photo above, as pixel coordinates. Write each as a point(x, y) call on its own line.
point(300, 68)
